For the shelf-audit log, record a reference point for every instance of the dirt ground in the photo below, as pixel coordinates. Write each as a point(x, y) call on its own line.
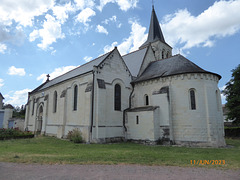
point(13, 171)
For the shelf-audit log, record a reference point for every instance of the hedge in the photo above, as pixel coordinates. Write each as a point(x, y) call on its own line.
point(232, 131)
point(11, 133)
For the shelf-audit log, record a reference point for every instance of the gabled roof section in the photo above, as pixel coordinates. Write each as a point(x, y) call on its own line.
point(171, 66)
point(155, 32)
point(1, 96)
point(85, 68)
point(134, 60)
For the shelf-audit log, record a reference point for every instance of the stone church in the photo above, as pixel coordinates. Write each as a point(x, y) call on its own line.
point(146, 95)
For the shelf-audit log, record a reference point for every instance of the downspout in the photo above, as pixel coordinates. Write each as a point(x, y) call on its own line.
point(172, 141)
point(27, 114)
point(129, 107)
point(92, 106)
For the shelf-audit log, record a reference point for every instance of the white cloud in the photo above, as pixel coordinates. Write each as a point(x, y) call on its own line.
point(108, 48)
point(127, 4)
point(56, 72)
point(33, 35)
point(16, 71)
point(84, 16)
point(101, 29)
point(219, 20)
point(14, 15)
point(50, 33)
point(23, 11)
point(87, 58)
point(3, 48)
point(114, 20)
point(111, 19)
point(81, 4)
point(12, 34)
point(133, 42)
point(18, 98)
point(124, 5)
point(223, 97)
point(53, 51)
point(61, 12)
point(103, 3)
point(1, 82)
point(222, 88)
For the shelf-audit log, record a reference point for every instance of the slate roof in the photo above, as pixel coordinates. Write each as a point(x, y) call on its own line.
point(134, 60)
point(1, 95)
point(143, 108)
point(171, 66)
point(85, 68)
point(155, 32)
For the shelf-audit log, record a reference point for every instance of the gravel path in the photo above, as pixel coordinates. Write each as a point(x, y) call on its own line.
point(13, 171)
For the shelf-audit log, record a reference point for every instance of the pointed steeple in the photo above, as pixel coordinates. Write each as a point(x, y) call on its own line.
point(155, 32)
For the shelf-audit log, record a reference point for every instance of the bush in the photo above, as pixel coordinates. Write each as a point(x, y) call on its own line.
point(232, 131)
point(14, 134)
point(75, 135)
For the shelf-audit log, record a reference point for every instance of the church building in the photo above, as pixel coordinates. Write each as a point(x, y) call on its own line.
point(146, 95)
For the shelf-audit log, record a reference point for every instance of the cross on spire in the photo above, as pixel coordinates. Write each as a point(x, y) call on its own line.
point(48, 76)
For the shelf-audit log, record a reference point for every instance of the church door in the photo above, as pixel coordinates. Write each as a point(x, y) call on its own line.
point(39, 119)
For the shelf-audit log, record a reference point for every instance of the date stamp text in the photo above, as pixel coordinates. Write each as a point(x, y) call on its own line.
point(207, 162)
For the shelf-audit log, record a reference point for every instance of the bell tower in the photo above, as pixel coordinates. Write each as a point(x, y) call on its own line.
point(156, 39)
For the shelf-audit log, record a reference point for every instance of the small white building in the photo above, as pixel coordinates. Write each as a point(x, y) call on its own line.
point(5, 113)
point(146, 95)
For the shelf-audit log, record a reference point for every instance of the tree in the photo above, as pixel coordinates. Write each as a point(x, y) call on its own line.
point(232, 92)
point(19, 112)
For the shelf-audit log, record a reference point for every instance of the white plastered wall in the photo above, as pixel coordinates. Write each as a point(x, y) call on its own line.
point(159, 48)
point(108, 123)
point(64, 119)
point(203, 125)
point(144, 128)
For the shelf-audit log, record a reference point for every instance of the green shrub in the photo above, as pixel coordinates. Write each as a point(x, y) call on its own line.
point(15, 133)
point(232, 131)
point(75, 135)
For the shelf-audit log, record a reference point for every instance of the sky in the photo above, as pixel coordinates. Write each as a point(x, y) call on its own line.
point(40, 37)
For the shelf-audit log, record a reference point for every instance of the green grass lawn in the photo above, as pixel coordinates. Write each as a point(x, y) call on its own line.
point(49, 150)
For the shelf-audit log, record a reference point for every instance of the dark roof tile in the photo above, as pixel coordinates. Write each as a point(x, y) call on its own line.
point(171, 66)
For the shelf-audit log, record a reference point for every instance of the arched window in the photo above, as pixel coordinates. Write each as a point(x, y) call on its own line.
point(40, 119)
point(55, 102)
point(33, 106)
point(192, 99)
point(146, 100)
point(167, 56)
point(117, 97)
point(75, 97)
point(163, 54)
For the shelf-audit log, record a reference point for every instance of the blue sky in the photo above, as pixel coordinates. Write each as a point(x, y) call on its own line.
point(39, 37)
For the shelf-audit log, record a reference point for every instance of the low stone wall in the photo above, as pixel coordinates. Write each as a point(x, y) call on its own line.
point(17, 123)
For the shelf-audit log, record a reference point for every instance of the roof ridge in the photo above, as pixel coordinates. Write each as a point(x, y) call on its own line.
point(134, 51)
point(2, 95)
point(81, 65)
point(165, 58)
point(174, 65)
point(78, 67)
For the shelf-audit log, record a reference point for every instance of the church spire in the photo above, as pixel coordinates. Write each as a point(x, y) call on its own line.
point(155, 32)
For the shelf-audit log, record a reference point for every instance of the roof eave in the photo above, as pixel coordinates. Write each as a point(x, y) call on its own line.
point(138, 81)
point(37, 89)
